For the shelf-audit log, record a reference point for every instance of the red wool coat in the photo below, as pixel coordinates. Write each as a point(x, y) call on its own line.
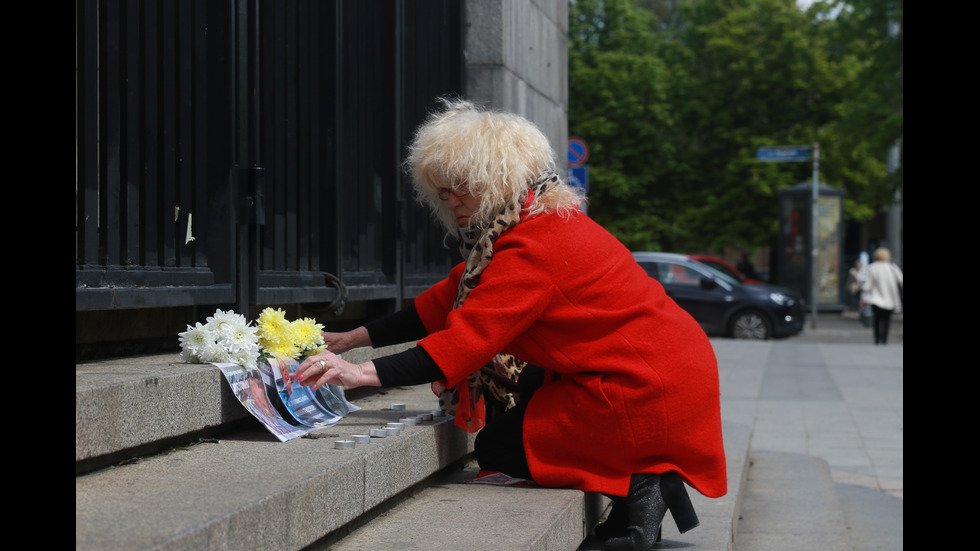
point(632, 379)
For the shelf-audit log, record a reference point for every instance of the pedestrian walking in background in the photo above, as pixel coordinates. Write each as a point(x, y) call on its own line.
point(883, 291)
point(855, 279)
point(746, 267)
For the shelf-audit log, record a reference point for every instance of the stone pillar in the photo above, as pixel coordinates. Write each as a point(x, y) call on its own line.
point(516, 56)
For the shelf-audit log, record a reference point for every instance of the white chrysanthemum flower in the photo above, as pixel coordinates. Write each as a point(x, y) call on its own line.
point(213, 352)
point(242, 342)
point(247, 357)
point(196, 340)
point(239, 336)
point(223, 322)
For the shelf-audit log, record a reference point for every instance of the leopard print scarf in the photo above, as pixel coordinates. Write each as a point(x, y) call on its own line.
point(500, 375)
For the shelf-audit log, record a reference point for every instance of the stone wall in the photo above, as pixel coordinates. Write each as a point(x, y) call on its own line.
point(516, 55)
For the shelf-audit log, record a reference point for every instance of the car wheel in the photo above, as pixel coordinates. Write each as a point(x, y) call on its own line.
point(750, 325)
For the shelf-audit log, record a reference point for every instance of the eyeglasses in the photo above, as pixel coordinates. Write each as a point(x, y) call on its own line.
point(445, 191)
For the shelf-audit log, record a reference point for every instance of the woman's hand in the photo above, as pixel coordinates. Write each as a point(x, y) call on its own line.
point(342, 342)
point(329, 368)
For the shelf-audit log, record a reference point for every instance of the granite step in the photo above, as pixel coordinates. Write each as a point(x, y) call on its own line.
point(145, 479)
point(791, 502)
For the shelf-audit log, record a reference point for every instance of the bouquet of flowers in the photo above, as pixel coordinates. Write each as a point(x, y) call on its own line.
point(293, 339)
point(258, 362)
point(228, 338)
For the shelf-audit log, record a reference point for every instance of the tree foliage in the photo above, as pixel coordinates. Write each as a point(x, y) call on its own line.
point(868, 37)
point(620, 73)
point(675, 97)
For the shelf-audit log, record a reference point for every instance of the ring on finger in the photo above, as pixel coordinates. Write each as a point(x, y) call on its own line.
point(323, 363)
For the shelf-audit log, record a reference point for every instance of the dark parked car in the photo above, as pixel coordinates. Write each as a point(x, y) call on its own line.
point(722, 305)
point(724, 268)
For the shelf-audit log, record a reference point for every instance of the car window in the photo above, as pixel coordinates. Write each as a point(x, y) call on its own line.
point(668, 273)
point(686, 274)
point(652, 269)
point(723, 276)
point(680, 275)
point(720, 267)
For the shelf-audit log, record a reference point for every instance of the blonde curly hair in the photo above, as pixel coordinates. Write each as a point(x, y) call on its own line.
point(493, 155)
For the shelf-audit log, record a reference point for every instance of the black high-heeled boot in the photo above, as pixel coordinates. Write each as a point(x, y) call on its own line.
point(679, 503)
point(649, 498)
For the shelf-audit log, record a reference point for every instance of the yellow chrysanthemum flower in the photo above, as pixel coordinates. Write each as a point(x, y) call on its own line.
point(307, 333)
point(273, 328)
point(284, 348)
point(295, 339)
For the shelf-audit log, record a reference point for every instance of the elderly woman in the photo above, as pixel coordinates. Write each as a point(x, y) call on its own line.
point(619, 393)
point(881, 288)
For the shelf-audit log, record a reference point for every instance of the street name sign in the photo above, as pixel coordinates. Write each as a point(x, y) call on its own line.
point(784, 153)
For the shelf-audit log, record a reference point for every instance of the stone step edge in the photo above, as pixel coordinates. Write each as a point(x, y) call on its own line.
point(569, 515)
point(789, 498)
point(282, 495)
point(733, 491)
point(342, 492)
point(137, 405)
point(451, 514)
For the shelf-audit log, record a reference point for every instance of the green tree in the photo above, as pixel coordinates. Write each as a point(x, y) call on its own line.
point(675, 97)
point(757, 74)
point(868, 40)
point(619, 103)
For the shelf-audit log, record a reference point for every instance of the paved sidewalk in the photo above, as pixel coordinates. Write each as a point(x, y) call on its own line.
point(828, 397)
point(844, 327)
point(829, 393)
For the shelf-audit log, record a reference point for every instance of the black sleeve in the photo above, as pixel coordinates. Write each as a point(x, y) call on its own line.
point(404, 325)
point(411, 367)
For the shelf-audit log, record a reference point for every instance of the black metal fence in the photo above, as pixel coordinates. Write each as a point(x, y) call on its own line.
point(245, 152)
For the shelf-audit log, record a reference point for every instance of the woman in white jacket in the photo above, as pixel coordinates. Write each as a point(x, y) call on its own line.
point(881, 291)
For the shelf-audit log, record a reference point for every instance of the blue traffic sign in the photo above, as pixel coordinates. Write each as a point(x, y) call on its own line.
point(578, 176)
point(784, 153)
point(578, 152)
